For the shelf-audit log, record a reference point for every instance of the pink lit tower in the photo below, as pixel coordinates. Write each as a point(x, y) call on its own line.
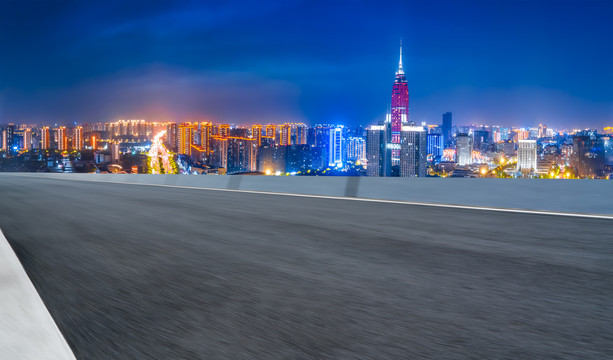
point(399, 114)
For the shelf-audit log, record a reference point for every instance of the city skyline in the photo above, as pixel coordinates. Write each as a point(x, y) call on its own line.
point(160, 63)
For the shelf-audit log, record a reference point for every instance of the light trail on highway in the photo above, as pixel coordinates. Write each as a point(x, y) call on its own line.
point(158, 150)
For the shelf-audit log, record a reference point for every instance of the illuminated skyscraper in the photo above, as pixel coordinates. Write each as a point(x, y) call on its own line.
point(435, 145)
point(336, 147)
point(45, 142)
point(205, 136)
point(94, 142)
point(172, 136)
point(413, 151)
point(526, 155)
point(301, 134)
point(224, 130)
point(286, 134)
point(186, 138)
point(8, 138)
point(377, 151)
point(399, 113)
point(446, 128)
point(62, 139)
point(78, 138)
point(464, 149)
point(219, 152)
point(356, 149)
point(271, 130)
point(256, 133)
point(27, 139)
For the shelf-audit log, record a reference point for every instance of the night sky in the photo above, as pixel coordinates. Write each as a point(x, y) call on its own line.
point(501, 62)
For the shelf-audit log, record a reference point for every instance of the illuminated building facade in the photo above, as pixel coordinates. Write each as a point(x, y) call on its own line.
point(94, 142)
point(172, 136)
point(224, 130)
point(435, 145)
point(256, 134)
point(62, 139)
point(186, 138)
point(219, 152)
point(78, 138)
point(205, 136)
point(271, 130)
point(464, 149)
point(526, 155)
point(356, 149)
point(378, 154)
point(412, 151)
point(286, 134)
point(446, 128)
point(241, 155)
point(300, 131)
point(336, 147)
point(8, 138)
point(399, 112)
point(27, 139)
point(45, 141)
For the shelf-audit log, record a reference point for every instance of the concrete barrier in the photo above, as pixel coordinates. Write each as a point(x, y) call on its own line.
point(577, 196)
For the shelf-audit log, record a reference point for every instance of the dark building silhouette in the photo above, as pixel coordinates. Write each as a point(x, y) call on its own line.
point(588, 155)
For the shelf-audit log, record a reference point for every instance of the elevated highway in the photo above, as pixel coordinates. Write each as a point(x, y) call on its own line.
point(188, 267)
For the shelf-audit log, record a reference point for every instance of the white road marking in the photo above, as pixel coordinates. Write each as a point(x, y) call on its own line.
point(27, 330)
point(385, 201)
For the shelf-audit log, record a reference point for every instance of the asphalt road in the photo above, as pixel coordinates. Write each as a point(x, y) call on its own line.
point(144, 272)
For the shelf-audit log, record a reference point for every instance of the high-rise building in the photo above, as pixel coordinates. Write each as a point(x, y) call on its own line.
point(205, 136)
point(481, 140)
point(399, 112)
point(286, 134)
point(45, 141)
point(224, 130)
point(4, 140)
point(27, 139)
point(301, 134)
point(271, 130)
point(588, 155)
point(526, 155)
point(78, 138)
point(172, 136)
point(435, 145)
point(356, 149)
point(608, 150)
point(219, 152)
point(256, 134)
point(241, 156)
point(94, 142)
point(413, 151)
point(542, 131)
point(62, 139)
point(8, 138)
point(186, 138)
point(464, 149)
point(336, 147)
point(378, 154)
point(446, 127)
point(115, 152)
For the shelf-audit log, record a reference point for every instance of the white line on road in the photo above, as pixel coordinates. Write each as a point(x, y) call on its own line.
point(27, 330)
point(384, 201)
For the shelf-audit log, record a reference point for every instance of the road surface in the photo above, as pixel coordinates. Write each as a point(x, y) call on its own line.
point(144, 272)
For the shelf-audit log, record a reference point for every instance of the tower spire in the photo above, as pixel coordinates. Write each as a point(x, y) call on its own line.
point(400, 70)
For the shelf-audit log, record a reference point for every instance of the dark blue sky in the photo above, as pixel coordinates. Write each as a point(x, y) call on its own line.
point(498, 62)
